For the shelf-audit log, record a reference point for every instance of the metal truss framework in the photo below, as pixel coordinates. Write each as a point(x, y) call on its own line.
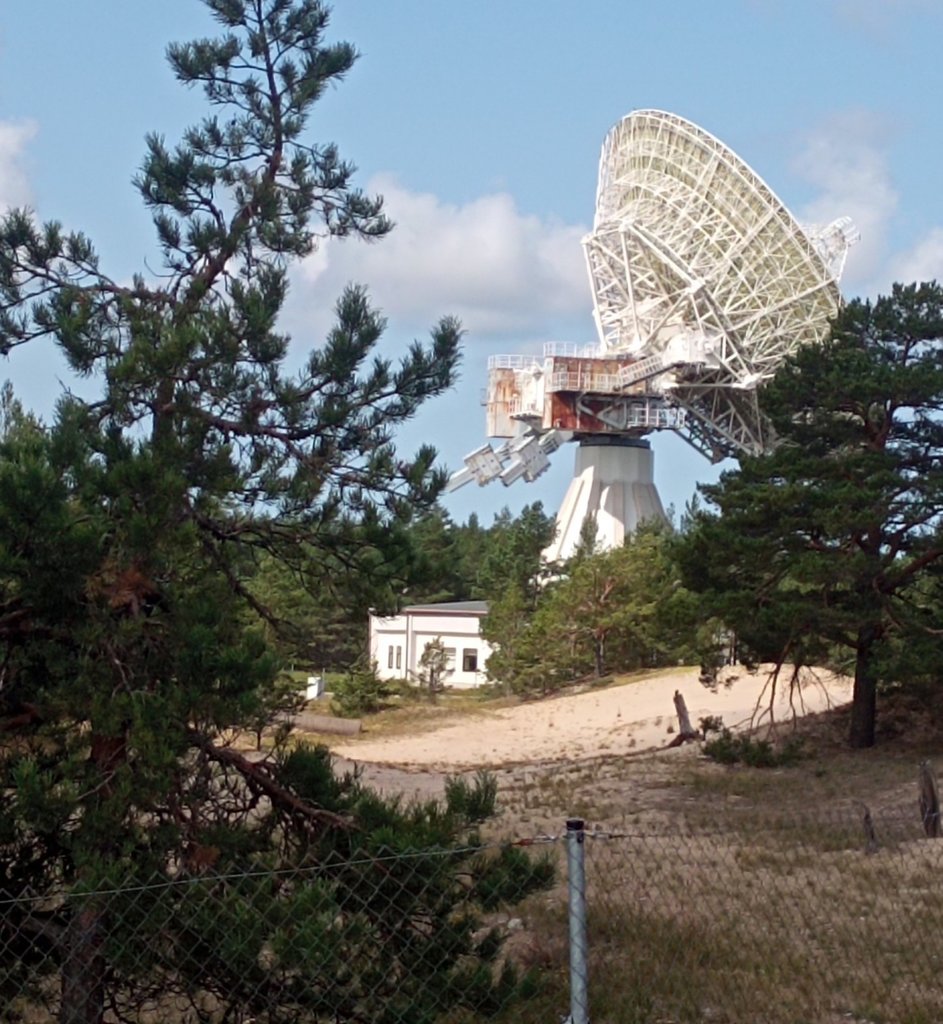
point(694, 259)
point(702, 282)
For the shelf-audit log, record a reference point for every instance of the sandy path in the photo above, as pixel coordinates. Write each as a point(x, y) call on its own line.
point(618, 720)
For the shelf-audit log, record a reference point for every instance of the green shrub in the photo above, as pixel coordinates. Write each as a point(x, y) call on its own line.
point(710, 723)
point(730, 748)
point(360, 692)
point(475, 801)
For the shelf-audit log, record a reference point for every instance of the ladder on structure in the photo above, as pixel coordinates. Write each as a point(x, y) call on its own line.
point(641, 370)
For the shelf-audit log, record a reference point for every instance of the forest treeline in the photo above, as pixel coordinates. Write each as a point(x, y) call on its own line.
point(321, 628)
point(550, 624)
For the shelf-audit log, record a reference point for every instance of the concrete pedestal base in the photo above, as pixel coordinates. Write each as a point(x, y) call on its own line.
point(612, 480)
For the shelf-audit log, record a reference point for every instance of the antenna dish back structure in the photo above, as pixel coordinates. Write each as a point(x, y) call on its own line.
point(702, 284)
point(698, 268)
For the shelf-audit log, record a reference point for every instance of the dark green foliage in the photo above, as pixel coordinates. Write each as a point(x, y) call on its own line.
point(614, 611)
point(588, 544)
point(831, 544)
point(360, 691)
point(512, 553)
point(309, 624)
point(710, 723)
point(510, 573)
point(474, 802)
point(151, 542)
point(737, 748)
point(365, 922)
point(506, 627)
point(447, 558)
point(322, 626)
point(498, 878)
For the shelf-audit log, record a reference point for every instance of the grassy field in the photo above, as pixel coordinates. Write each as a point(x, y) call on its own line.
point(717, 894)
point(729, 894)
point(738, 895)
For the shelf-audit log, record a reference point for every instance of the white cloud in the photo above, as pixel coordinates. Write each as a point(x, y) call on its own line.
point(497, 269)
point(923, 262)
point(14, 187)
point(845, 160)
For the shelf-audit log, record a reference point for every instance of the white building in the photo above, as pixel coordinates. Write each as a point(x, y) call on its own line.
point(397, 642)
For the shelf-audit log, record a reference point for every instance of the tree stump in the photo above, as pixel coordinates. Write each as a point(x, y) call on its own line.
point(685, 731)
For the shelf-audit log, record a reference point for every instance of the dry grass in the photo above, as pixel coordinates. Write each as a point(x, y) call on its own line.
point(729, 894)
point(411, 712)
point(736, 895)
point(732, 895)
point(412, 717)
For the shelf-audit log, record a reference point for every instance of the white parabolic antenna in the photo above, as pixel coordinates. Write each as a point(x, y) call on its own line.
point(698, 266)
point(702, 282)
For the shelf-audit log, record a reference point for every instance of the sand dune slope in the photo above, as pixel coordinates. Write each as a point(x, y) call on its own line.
point(617, 720)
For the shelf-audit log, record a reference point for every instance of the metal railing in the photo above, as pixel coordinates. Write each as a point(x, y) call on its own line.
point(513, 362)
point(589, 350)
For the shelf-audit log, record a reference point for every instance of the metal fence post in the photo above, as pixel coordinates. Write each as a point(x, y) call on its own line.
point(576, 888)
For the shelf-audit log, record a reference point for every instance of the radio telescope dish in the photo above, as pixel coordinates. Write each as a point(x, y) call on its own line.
point(703, 283)
point(701, 275)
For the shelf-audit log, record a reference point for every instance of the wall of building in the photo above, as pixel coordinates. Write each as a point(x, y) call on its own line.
point(397, 643)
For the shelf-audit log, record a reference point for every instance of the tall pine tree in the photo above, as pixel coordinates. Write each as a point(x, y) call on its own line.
point(131, 647)
point(832, 542)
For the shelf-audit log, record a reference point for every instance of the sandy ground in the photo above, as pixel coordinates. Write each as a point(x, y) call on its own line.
point(618, 720)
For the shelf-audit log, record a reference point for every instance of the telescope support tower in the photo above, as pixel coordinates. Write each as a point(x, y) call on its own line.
point(613, 481)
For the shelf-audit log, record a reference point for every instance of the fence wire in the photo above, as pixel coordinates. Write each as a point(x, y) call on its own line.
point(405, 938)
point(782, 922)
point(770, 921)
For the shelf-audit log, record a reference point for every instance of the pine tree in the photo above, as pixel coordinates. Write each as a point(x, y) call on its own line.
point(832, 542)
point(512, 554)
point(433, 667)
point(132, 647)
point(614, 611)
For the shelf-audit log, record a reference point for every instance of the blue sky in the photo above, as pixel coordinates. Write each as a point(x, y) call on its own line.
point(481, 123)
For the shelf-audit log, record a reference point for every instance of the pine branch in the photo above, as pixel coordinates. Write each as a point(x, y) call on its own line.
point(258, 777)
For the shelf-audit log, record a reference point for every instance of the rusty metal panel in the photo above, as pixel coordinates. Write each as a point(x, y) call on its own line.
point(576, 387)
point(626, 415)
point(503, 402)
point(583, 374)
point(566, 412)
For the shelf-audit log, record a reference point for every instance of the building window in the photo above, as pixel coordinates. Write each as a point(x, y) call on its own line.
point(389, 657)
point(450, 657)
point(399, 658)
point(469, 660)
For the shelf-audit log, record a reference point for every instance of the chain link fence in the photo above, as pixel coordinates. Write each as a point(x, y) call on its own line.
point(768, 921)
point(404, 937)
point(780, 921)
